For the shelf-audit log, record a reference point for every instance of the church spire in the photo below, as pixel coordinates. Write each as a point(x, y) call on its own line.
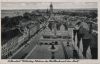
point(51, 8)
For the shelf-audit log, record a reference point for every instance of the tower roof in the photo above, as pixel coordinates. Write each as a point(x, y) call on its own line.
point(51, 5)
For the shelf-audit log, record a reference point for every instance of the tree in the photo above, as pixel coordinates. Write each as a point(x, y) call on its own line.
point(5, 20)
point(27, 16)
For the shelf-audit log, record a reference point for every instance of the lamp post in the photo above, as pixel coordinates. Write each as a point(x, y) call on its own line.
point(53, 55)
point(52, 49)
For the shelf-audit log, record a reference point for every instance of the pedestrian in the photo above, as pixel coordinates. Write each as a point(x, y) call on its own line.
point(76, 29)
point(86, 37)
point(76, 32)
point(93, 46)
point(93, 42)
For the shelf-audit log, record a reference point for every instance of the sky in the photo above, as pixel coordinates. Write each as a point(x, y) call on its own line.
point(45, 5)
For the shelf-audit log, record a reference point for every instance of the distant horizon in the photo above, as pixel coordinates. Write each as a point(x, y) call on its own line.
point(56, 9)
point(46, 5)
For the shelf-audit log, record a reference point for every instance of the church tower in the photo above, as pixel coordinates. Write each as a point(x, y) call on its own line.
point(51, 8)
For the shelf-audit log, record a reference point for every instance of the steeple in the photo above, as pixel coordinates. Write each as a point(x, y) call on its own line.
point(51, 8)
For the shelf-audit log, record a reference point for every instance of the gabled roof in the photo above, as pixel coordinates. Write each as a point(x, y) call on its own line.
point(52, 18)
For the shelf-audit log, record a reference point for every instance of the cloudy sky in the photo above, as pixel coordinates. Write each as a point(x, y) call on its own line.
point(45, 5)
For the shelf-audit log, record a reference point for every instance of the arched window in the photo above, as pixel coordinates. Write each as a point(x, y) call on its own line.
point(50, 26)
point(58, 26)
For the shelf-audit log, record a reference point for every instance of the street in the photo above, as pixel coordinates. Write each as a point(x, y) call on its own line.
point(33, 50)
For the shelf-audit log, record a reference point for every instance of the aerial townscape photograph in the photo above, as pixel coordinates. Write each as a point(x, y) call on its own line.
point(49, 30)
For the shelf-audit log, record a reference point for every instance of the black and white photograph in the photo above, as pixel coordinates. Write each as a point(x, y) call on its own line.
point(49, 30)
